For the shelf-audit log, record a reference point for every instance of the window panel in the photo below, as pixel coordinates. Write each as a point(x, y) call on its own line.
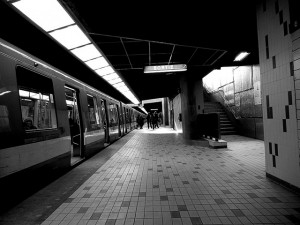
point(94, 113)
point(114, 119)
point(36, 100)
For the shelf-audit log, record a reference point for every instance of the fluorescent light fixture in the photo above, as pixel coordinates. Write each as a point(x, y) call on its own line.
point(111, 76)
point(70, 37)
point(123, 89)
point(97, 63)
point(143, 109)
point(34, 95)
point(135, 101)
point(71, 102)
point(51, 17)
point(114, 81)
point(24, 93)
point(119, 85)
point(165, 68)
point(104, 71)
point(48, 14)
point(241, 56)
point(45, 97)
point(86, 52)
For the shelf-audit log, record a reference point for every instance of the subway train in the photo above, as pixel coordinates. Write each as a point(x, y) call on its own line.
point(49, 120)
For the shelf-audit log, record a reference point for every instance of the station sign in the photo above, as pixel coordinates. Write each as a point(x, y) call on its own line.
point(165, 68)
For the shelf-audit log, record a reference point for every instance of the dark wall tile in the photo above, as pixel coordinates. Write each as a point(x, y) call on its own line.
point(284, 125)
point(274, 160)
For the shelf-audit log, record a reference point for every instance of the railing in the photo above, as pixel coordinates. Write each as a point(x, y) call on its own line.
point(225, 104)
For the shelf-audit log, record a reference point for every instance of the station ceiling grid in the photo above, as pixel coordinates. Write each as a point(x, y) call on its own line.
point(131, 36)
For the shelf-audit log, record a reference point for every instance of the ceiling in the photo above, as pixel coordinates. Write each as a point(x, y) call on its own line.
point(204, 36)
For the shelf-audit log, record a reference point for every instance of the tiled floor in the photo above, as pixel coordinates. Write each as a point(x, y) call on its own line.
point(157, 179)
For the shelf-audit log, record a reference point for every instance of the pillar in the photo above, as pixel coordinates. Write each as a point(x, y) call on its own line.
point(192, 104)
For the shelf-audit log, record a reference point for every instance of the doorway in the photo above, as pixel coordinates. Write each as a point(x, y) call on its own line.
point(75, 124)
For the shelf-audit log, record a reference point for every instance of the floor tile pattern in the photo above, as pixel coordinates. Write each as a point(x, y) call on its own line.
point(157, 179)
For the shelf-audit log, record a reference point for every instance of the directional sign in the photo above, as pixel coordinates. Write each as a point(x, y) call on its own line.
point(165, 68)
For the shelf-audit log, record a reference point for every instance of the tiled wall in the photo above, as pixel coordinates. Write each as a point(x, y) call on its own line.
point(278, 90)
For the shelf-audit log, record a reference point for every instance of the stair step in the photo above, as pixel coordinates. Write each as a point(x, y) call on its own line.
point(227, 128)
point(228, 132)
point(222, 125)
point(213, 110)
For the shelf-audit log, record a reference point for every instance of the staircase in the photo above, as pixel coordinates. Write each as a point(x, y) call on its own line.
point(226, 125)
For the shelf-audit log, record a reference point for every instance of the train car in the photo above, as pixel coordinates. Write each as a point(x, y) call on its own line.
point(50, 120)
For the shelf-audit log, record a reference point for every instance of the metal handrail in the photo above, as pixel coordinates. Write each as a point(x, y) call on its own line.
point(224, 100)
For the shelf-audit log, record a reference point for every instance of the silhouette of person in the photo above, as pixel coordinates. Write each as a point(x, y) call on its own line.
point(155, 120)
point(140, 121)
point(149, 120)
point(28, 125)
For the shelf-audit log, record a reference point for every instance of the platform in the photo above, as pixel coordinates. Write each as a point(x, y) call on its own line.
point(153, 177)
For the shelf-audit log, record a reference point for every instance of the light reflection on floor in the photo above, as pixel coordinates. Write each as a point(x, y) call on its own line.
point(160, 130)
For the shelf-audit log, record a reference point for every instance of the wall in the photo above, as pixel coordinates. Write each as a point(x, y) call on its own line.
point(176, 103)
point(279, 75)
point(238, 89)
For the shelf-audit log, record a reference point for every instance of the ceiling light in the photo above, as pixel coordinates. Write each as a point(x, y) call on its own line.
point(105, 70)
point(70, 37)
point(24, 93)
point(97, 63)
point(111, 76)
point(119, 85)
point(48, 14)
point(135, 101)
point(114, 81)
point(86, 52)
point(241, 56)
point(123, 89)
point(51, 17)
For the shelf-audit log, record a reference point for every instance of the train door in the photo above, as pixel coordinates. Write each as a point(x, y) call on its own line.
point(73, 106)
point(103, 114)
point(119, 120)
point(125, 120)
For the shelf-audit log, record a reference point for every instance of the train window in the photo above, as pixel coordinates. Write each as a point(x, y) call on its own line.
point(113, 111)
point(37, 100)
point(93, 111)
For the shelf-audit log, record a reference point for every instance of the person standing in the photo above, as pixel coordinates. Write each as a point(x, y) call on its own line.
point(140, 121)
point(149, 120)
point(155, 120)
